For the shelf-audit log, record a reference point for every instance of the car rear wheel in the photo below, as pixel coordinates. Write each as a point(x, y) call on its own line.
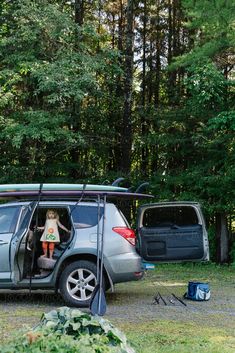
point(77, 283)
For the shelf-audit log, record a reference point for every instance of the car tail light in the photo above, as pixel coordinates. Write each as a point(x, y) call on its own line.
point(126, 233)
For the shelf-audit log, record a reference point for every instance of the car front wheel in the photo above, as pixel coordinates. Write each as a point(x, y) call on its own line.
point(77, 283)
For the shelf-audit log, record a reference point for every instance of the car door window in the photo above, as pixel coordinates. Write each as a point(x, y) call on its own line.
point(86, 216)
point(8, 219)
point(26, 214)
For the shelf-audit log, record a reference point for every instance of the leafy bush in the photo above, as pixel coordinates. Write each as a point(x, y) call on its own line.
point(70, 331)
point(41, 343)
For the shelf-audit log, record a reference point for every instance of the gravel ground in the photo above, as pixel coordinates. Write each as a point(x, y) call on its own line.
point(136, 304)
point(131, 302)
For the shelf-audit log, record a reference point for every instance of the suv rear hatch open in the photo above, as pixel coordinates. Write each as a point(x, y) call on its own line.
point(172, 232)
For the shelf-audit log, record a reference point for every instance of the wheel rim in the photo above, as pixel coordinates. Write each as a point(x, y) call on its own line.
point(80, 284)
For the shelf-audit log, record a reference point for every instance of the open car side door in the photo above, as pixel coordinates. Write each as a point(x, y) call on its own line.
point(18, 243)
point(172, 232)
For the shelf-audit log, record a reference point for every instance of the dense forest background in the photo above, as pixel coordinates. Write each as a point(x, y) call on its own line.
point(94, 90)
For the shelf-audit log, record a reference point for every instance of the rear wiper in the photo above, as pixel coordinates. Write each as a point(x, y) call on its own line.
point(174, 226)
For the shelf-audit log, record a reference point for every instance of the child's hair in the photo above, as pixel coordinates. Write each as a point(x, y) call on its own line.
point(55, 213)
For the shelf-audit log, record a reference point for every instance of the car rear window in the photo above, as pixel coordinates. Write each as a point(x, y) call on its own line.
point(86, 216)
point(8, 219)
point(168, 216)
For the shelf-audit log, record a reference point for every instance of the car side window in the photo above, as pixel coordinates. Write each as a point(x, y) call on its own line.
point(8, 218)
point(85, 216)
point(25, 216)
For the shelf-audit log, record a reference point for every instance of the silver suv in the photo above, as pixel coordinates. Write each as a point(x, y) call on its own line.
point(165, 232)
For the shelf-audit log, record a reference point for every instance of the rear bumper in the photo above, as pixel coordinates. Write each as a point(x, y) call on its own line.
point(124, 267)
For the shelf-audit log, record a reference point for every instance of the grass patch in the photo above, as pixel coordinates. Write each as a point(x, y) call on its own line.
point(12, 321)
point(171, 336)
point(196, 271)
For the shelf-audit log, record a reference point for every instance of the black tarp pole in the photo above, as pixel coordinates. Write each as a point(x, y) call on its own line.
point(34, 238)
point(98, 300)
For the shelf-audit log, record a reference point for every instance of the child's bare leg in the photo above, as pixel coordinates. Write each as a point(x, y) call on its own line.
point(44, 248)
point(51, 253)
point(51, 249)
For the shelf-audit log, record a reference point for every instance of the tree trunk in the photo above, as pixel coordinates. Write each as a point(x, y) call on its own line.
point(222, 238)
point(116, 114)
point(126, 138)
point(158, 58)
point(144, 148)
point(79, 12)
point(76, 170)
point(144, 55)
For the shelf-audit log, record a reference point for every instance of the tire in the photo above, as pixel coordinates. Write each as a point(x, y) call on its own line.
point(77, 282)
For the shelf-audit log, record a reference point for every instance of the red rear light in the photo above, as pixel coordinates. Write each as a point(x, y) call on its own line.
point(126, 233)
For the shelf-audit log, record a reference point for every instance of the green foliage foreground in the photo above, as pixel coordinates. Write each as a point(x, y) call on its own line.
point(70, 331)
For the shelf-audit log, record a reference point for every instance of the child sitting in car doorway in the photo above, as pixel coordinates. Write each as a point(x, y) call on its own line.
point(51, 235)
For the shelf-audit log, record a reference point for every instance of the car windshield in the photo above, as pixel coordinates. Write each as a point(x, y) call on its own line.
point(8, 219)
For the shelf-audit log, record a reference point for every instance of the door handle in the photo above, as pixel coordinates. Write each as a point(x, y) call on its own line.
point(2, 242)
